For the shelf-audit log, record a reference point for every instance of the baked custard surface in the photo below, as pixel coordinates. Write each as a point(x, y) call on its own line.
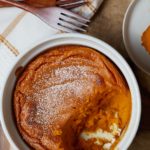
point(71, 98)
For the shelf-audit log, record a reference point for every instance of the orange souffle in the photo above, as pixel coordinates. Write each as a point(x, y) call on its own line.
point(72, 98)
point(146, 39)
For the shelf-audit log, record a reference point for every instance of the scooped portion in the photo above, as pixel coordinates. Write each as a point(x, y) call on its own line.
point(71, 98)
point(106, 125)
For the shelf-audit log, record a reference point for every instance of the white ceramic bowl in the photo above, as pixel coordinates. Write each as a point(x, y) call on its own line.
point(133, 28)
point(6, 111)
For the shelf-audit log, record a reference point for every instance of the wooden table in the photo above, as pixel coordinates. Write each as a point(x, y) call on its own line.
point(107, 25)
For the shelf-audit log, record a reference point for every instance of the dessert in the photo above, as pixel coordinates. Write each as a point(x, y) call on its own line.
point(72, 98)
point(146, 39)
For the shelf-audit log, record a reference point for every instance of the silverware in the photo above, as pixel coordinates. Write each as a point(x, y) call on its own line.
point(55, 17)
point(68, 4)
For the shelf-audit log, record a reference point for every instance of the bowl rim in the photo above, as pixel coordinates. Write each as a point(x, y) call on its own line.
point(125, 25)
point(124, 144)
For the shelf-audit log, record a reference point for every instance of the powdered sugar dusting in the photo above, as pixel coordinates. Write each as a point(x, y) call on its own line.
point(60, 90)
point(60, 75)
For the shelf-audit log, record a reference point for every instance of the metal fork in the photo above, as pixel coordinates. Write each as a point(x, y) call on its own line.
point(67, 4)
point(58, 18)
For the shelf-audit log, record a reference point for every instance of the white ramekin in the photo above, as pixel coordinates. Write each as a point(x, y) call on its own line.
point(6, 111)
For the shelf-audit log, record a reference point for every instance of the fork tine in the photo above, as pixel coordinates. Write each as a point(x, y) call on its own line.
point(71, 26)
point(74, 16)
point(73, 21)
point(65, 29)
point(71, 4)
point(62, 2)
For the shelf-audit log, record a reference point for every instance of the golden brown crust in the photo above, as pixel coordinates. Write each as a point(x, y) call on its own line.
point(55, 91)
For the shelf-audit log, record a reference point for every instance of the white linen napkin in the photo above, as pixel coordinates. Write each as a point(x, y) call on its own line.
point(20, 31)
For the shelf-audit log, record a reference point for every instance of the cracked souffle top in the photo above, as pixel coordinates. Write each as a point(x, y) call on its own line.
point(71, 98)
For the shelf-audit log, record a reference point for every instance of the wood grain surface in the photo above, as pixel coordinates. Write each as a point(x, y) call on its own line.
point(107, 25)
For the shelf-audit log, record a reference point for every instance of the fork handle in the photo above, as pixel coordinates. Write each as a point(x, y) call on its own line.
point(4, 4)
point(19, 5)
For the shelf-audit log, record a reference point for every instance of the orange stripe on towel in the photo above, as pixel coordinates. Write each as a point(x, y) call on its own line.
point(9, 45)
point(91, 6)
point(8, 30)
point(13, 24)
